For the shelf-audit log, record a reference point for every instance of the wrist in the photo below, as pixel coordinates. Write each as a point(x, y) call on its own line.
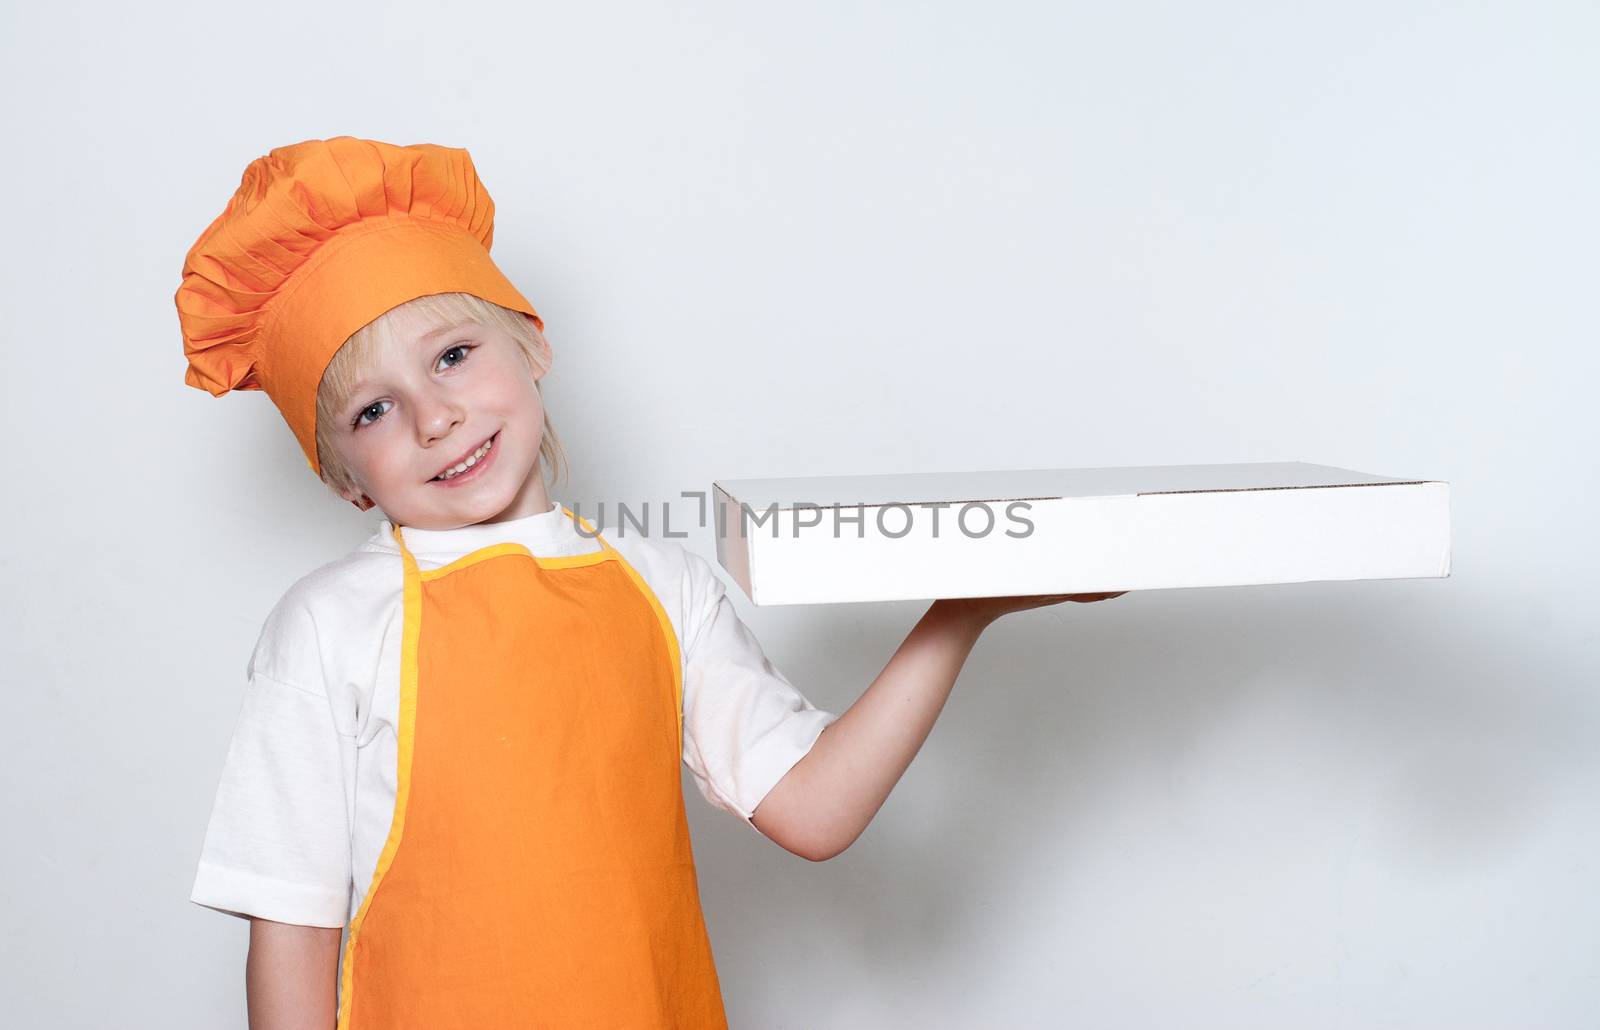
point(962, 613)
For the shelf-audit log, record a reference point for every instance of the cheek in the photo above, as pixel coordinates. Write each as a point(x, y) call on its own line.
point(393, 466)
point(377, 462)
point(516, 395)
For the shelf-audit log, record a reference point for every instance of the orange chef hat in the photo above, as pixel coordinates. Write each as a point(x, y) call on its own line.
point(321, 238)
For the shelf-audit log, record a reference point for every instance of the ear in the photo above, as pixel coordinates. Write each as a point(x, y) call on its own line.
point(542, 355)
point(357, 498)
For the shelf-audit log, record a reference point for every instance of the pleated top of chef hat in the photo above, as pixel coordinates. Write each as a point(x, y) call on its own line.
point(321, 238)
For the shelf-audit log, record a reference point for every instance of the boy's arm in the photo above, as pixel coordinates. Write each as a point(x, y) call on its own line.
point(821, 805)
point(290, 976)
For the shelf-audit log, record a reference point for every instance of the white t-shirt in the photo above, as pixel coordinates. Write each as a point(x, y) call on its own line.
point(308, 787)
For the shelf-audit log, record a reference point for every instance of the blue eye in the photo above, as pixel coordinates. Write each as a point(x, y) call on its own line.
point(463, 348)
point(362, 414)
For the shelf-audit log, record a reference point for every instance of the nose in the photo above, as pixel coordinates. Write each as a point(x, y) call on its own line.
point(437, 416)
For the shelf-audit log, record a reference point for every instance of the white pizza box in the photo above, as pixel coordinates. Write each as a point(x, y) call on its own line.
point(814, 540)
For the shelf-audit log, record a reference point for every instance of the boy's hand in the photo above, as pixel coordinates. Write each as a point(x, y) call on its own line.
point(827, 798)
point(984, 610)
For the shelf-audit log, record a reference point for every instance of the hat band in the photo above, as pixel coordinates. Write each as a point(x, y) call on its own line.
point(364, 271)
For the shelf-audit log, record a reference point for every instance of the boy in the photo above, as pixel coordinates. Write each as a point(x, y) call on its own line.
point(462, 740)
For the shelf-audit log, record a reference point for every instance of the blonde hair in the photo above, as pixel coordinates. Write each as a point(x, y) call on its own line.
point(359, 354)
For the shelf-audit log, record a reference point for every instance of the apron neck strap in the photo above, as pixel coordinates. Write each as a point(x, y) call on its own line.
point(409, 561)
point(604, 543)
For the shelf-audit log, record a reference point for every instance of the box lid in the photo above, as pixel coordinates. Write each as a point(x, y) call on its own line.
point(1040, 484)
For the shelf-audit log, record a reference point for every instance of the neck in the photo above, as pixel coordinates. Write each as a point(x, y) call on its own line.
point(530, 499)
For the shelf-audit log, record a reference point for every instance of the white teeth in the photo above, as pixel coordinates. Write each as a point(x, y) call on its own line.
point(472, 459)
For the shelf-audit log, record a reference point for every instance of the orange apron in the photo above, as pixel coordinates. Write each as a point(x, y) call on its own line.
point(538, 871)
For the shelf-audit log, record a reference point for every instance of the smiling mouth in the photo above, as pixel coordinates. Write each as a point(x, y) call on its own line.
point(469, 462)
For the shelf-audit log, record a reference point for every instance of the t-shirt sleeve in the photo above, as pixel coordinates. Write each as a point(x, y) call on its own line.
point(278, 843)
point(745, 724)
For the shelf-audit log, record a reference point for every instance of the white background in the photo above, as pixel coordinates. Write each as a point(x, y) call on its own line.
point(828, 239)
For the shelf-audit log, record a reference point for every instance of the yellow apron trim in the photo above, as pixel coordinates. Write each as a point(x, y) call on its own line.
point(411, 606)
point(568, 561)
point(571, 561)
point(474, 558)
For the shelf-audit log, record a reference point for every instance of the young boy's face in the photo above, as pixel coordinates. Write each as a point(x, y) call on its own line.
point(445, 396)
